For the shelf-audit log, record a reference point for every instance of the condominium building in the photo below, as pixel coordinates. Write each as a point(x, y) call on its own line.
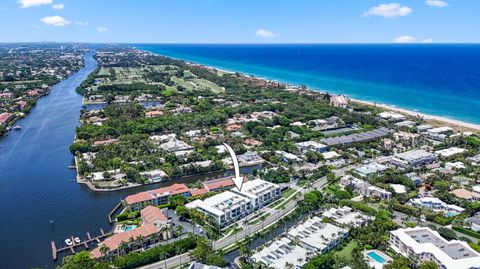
point(414, 158)
point(423, 244)
point(347, 216)
point(317, 236)
point(260, 192)
point(225, 208)
point(155, 197)
point(230, 206)
point(307, 146)
point(280, 253)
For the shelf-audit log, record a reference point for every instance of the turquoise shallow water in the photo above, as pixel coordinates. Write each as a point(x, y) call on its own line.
point(442, 80)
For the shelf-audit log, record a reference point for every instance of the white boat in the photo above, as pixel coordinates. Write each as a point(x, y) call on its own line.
point(77, 240)
point(17, 127)
point(69, 242)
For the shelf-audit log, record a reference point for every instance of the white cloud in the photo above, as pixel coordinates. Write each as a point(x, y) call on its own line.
point(81, 23)
point(427, 40)
point(58, 6)
point(392, 10)
point(264, 33)
point(34, 3)
point(405, 39)
point(102, 29)
point(436, 3)
point(54, 20)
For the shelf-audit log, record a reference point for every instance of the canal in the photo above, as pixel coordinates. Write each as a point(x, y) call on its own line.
point(39, 202)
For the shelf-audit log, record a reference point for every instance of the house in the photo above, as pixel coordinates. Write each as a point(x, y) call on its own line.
point(307, 146)
point(250, 158)
point(252, 142)
point(398, 188)
point(4, 118)
point(154, 113)
point(338, 100)
point(466, 195)
point(105, 142)
point(365, 188)
point(370, 169)
point(393, 116)
point(436, 204)
point(454, 165)
point(415, 178)
point(423, 244)
point(474, 222)
point(414, 158)
point(154, 175)
point(291, 158)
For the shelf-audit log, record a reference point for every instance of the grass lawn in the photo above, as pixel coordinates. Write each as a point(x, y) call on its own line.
point(346, 252)
point(287, 193)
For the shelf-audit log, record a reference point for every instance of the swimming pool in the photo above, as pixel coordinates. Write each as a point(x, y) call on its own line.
point(376, 257)
point(130, 227)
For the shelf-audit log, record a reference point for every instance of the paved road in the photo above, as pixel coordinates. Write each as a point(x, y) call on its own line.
point(232, 239)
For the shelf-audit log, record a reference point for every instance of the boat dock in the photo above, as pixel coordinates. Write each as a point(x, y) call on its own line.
point(113, 211)
point(84, 243)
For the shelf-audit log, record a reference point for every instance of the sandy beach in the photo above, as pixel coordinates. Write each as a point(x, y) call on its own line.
point(431, 119)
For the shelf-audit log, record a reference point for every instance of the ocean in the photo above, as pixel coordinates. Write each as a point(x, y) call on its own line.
point(437, 79)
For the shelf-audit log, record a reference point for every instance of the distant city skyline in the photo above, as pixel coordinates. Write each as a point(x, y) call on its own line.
point(246, 21)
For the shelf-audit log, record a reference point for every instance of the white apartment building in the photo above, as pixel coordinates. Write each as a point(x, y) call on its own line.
point(347, 216)
point(230, 206)
point(225, 207)
point(316, 236)
point(414, 158)
point(364, 188)
point(424, 244)
point(259, 192)
point(280, 252)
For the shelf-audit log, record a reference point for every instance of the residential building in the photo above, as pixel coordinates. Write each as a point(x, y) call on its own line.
point(153, 222)
point(364, 188)
point(307, 146)
point(347, 216)
point(249, 158)
point(155, 197)
point(415, 178)
point(154, 175)
point(436, 204)
point(466, 194)
point(423, 244)
point(414, 158)
point(450, 152)
point(260, 192)
point(225, 207)
point(281, 252)
point(474, 222)
point(388, 115)
point(317, 236)
point(370, 169)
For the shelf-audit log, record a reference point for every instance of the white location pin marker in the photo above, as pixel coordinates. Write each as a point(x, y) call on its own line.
point(238, 180)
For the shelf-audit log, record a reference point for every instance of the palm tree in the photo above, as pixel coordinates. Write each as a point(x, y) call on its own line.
point(122, 248)
point(104, 249)
point(289, 265)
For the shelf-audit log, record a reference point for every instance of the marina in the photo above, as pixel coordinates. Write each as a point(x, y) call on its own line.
point(75, 243)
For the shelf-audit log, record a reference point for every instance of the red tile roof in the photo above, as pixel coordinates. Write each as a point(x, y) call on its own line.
point(151, 214)
point(114, 241)
point(152, 194)
point(195, 192)
point(220, 183)
point(4, 117)
point(104, 142)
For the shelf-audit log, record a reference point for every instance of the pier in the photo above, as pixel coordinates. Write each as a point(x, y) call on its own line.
point(84, 243)
point(113, 211)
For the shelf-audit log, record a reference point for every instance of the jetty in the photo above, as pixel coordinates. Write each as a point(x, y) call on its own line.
point(113, 211)
point(85, 243)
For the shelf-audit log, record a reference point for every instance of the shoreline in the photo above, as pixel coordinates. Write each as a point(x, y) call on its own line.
point(429, 118)
point(433, 119)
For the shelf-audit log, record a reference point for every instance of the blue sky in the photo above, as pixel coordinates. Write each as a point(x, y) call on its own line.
point(240, 21)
